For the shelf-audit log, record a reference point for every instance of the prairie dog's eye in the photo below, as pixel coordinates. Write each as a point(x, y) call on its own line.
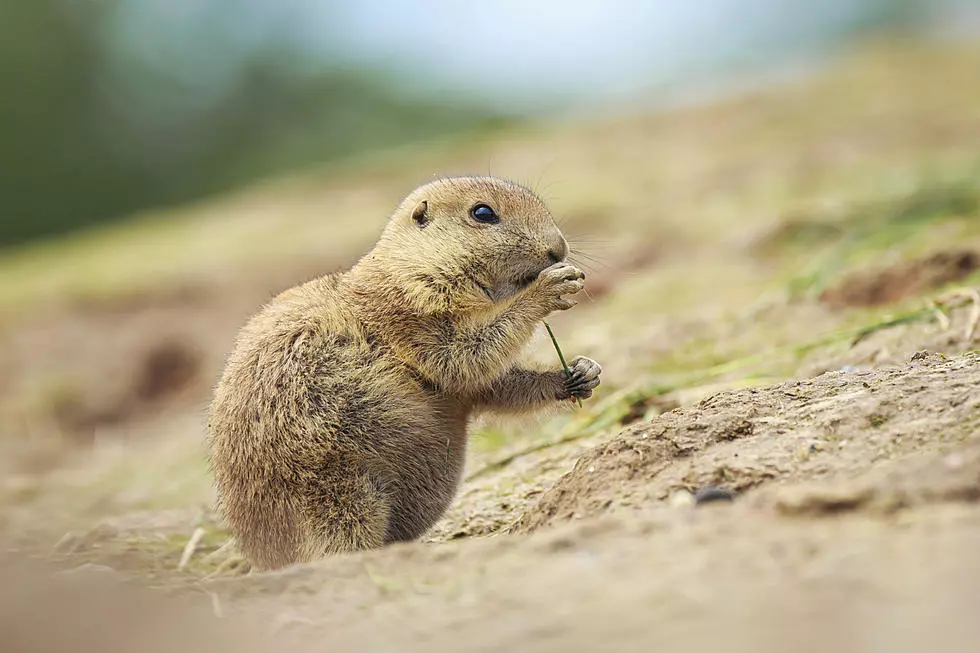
point(483, 213)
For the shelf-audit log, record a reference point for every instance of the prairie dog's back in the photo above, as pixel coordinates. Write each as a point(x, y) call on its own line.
point(305, 400)
point(269, 401)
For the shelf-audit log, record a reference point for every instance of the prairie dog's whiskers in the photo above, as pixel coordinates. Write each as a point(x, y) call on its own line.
point(587, 260)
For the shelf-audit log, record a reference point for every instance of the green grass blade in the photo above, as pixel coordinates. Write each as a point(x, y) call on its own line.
point(561, 357)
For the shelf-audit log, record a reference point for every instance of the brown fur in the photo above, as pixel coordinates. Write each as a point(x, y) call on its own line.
point(340, 421)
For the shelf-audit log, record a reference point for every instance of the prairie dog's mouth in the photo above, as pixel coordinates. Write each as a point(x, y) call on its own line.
point(526, 277)
point(510, 287)
point(507, 287)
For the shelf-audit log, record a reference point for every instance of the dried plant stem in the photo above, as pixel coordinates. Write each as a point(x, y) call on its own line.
point(190, 547)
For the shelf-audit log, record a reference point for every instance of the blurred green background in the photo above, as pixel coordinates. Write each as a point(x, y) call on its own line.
point(114, 106)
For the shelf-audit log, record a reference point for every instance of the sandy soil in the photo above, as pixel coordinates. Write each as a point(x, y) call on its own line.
point(784, 454)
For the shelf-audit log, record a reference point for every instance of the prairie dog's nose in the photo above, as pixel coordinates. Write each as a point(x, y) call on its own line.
point(559, 251)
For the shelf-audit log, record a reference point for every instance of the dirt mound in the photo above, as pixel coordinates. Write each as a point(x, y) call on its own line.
point(804, 429)
point(903, 280)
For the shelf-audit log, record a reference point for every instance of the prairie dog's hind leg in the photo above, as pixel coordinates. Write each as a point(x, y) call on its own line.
point(346, 512)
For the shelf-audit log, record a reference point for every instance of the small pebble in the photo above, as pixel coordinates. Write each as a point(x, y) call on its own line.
point(711, 494)
point(681, 499)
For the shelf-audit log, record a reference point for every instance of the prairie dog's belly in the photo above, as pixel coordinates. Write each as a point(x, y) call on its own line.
point(428, 474)
point(379, 418)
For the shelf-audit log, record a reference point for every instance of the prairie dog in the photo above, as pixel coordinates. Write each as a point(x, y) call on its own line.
point(340, 422)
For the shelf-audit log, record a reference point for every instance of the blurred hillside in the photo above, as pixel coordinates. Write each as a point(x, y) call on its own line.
point(115, 106)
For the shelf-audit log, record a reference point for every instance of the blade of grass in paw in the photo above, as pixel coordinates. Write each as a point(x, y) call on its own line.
point(561, 357)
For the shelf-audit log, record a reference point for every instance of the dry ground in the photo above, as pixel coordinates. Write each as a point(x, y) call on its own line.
point(785, 452)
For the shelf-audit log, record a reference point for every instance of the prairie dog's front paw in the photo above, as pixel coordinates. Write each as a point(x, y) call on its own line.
point(554, 282)
point(584, 378)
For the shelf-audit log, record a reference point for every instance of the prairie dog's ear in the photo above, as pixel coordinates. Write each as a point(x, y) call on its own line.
point(421, 213)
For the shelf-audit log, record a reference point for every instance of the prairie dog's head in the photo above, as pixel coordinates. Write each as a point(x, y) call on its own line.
point(469, 243)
